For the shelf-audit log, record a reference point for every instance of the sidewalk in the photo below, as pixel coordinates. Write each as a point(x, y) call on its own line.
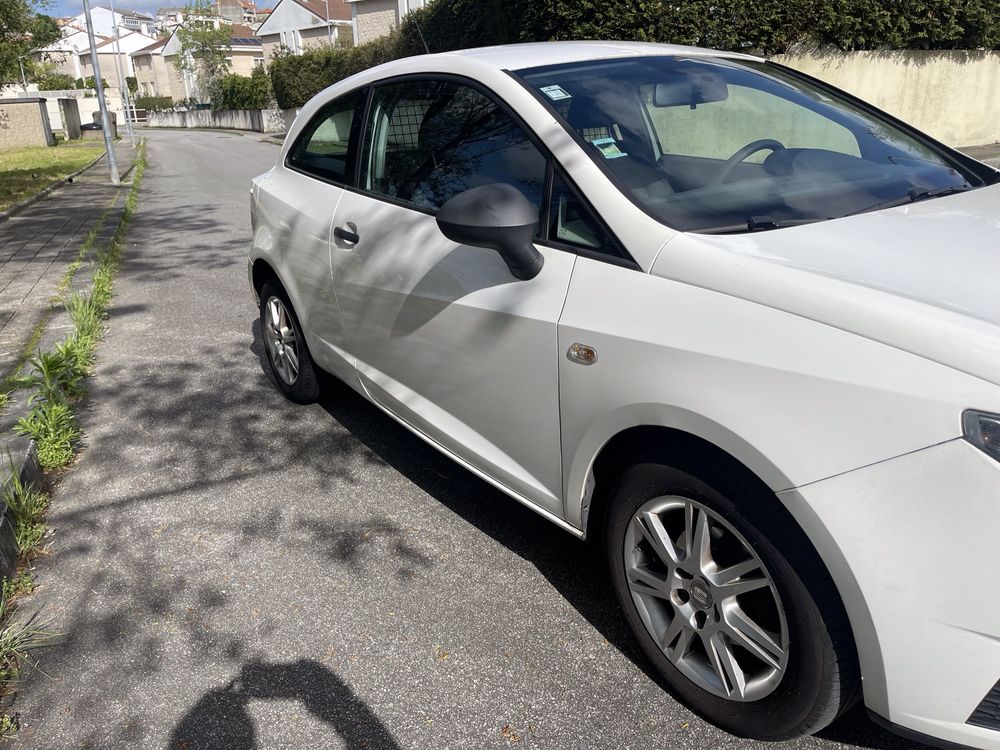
point(36, 247)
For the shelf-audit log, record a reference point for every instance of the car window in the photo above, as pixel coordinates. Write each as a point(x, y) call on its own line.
point(572, 222)
point(717, 130)
point(324, 146)
point(730, 145)
point(427, 141)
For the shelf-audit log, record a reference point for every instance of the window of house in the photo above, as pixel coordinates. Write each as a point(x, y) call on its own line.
point(427, 141)
point(325, 146)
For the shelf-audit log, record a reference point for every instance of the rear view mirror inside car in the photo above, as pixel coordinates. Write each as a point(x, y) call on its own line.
point(691, 90)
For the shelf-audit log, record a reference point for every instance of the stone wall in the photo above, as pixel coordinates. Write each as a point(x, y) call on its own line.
point(24, 122)
point(374, 18)
point(257, 120)
point(951, 95)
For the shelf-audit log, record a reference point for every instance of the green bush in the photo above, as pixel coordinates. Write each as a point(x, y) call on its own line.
point(89, 82)
point(242, 92)
point(153, 103)
point(761, 26)
point(55, 82)
point(132, 83)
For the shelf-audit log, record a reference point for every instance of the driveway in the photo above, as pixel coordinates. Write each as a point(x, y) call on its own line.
point(230, 570)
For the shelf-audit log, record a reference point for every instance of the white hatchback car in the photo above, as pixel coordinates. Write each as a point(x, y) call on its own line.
point(736, 326)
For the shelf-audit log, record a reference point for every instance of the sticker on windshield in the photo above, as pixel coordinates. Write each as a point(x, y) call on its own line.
point(608, 147)
point(555, 93)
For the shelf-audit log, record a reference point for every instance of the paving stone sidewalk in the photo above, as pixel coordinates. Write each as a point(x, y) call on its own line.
point(39, 242)
point(37, 245)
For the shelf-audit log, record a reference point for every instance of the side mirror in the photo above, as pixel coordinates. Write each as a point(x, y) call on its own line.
point(498, 217)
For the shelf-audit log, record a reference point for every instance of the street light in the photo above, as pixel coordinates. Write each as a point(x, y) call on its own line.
point(109, 145)
point(24, 81)
point(329, 29)
point(123, 85)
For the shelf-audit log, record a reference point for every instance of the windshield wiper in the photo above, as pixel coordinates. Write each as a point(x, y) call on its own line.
point(912, 197)
point(756, 224)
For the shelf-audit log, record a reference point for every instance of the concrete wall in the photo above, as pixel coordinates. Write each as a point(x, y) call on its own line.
point(374, 18)
point(24, 122)
point(69, 113)
point(952, 95)
point(257, 120)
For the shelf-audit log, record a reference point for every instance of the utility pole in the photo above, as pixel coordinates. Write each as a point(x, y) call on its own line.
point(105, 120)
point(329, 29)
point(24, 81)
point(121, 78)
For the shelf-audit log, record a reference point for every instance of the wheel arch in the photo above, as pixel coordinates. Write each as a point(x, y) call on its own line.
point(260, 273)
point(631, 443)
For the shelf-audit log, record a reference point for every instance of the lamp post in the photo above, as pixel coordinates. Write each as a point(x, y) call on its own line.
point(122, 83)
point(329, 29)
point(24, 81)
point(105, 120)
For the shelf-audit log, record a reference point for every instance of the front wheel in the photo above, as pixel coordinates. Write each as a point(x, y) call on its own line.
point(287, 353)
point(750, 637)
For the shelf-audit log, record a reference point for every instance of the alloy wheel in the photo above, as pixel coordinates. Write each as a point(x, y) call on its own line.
point(282, 344)
point(706, 598)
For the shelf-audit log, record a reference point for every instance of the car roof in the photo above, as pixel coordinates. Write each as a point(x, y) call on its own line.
point(536, 54)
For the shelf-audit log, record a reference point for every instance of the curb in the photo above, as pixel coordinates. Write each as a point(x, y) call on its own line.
point(23, 460)
point(18, 207)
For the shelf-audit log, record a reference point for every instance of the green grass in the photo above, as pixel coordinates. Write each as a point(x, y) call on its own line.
point(26, 171)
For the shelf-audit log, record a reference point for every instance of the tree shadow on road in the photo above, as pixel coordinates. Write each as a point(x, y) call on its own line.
point(221, 719)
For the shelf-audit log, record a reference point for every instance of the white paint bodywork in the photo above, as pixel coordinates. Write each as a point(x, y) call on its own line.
point(834, 360)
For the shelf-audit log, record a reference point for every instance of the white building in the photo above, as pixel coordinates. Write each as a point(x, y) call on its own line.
point(126, 20)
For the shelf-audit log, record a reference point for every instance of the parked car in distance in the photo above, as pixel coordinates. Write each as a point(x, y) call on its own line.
point(733, 325)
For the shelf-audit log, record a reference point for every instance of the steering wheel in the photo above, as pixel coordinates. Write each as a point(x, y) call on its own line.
point(741, 155)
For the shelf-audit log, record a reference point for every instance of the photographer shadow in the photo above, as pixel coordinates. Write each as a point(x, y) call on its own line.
point(221, 720)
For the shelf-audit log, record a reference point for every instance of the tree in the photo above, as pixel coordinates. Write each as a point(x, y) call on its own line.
point(205, 43)
point(22, 30)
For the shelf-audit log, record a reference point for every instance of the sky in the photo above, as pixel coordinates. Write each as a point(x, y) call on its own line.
point(75, 7)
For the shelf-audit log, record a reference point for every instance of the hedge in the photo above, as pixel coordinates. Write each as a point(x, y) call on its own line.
point(761, 26)
point(153, 103)
point(242, 92)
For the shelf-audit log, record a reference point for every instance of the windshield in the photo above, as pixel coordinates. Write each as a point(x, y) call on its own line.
point(722, 145)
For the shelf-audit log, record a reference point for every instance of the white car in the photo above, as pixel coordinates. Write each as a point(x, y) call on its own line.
point(735, 326)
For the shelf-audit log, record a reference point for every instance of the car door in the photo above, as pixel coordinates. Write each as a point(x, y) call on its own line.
point(444, 336)
point(296, 202)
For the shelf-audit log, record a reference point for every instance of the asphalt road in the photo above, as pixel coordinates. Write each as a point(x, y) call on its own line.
point(230, 570)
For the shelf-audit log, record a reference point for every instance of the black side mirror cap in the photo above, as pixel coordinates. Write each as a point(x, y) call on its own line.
point(497, 217)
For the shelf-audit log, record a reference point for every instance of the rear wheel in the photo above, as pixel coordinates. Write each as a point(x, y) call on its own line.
point(752, 637)
point(287, 353)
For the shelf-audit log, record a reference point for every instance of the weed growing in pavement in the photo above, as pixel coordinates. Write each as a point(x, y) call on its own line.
point(27, 505)
point(52, 425)
point(21, 583)
point(57, 375)
point(17, 641)
point(4, 400)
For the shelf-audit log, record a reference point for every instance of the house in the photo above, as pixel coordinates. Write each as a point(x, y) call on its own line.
point(297, 25)
point(105, 21)
point(375, 18)
point(114, 57)
point(64, 53)
point(156, 70)
point(168, 18)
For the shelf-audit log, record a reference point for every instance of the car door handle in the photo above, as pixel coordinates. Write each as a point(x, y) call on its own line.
point(346, 235)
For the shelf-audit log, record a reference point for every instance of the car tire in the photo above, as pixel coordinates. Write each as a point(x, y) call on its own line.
point(802, 673)
point(287, 353)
